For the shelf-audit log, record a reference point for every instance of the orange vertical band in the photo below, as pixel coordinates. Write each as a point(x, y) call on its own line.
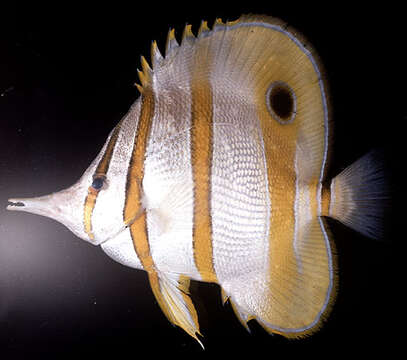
point(135, 174)
point(201, 157)
point(101, 170)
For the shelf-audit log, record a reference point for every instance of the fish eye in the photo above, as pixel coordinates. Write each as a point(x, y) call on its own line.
point(281, 102)
point(98, 182)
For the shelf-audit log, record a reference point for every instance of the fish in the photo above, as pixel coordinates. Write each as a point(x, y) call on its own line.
point(218, 173)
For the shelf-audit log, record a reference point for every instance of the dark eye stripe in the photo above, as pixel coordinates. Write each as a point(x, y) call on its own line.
point(98, 179)
point(98, 183)
point(104, 163)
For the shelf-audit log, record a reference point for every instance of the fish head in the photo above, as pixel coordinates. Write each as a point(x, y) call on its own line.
point(92, 208)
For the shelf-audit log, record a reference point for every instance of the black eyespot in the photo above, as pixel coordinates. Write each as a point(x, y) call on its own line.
point(281, 102)
point(98, 182)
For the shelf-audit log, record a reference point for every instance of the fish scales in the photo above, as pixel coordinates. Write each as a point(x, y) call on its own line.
point(217, 174)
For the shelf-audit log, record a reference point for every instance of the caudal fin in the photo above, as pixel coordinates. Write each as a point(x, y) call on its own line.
point(359, 195)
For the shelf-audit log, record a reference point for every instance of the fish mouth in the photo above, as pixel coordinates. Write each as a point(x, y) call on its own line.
point(16, 205)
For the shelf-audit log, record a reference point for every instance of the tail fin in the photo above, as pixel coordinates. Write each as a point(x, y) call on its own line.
point(359, 195)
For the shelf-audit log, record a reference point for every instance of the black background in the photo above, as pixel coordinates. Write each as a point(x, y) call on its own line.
point(66, 78)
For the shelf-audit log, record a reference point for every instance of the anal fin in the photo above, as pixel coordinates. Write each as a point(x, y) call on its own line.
point(293, 298)
point(172, 294)
point(243, 316)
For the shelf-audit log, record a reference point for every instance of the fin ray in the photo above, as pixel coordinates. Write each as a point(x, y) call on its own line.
point(359, 195)
point(172, 294)
point(298, 307)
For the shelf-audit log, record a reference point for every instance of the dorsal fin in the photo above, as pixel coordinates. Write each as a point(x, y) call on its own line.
point(242, 51)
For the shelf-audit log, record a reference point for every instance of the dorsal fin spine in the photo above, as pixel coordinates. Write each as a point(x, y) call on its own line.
point(142, 77)
point(187, 33)
point(218, 21)
point(139, 88)
point(145, 66)
point(172, 45)
point(145, 75)
point(156, 56)
point(203, 28)
point(171, 42)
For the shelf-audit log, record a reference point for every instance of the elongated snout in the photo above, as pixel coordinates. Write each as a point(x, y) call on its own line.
point(42, 205)
point(65, 206)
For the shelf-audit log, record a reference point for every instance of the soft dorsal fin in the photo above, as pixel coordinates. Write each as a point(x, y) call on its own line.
point(247, 55)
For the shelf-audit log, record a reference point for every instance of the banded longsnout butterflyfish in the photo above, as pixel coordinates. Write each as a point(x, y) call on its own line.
point(217, 174)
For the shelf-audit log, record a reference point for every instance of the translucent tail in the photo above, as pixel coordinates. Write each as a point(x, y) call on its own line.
point(360, 194)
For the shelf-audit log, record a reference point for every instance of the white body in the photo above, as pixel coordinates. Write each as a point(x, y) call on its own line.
point(203, 179)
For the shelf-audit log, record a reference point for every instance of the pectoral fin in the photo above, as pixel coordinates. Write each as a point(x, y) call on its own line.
point(172, 294)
